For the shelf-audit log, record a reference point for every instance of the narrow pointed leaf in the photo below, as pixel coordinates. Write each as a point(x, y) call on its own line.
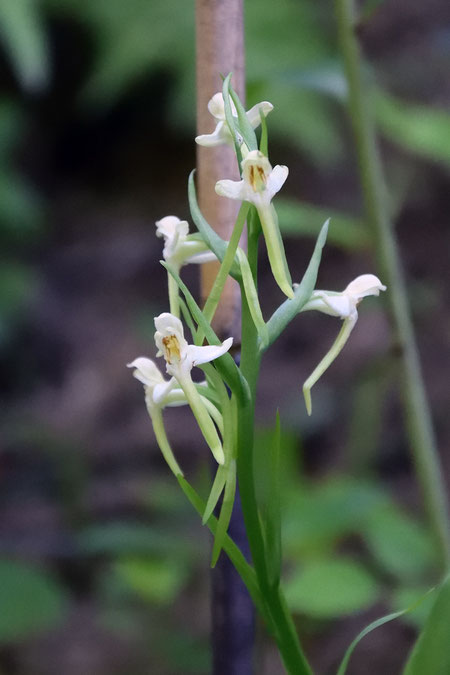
point(431, 653)
point(231, 121)
point(372, 626)
point(216, 491)
point(217, 245)
point(245, 127)
point(225, 513)
point(245, 571)
point(273, 515)
point(290, 308)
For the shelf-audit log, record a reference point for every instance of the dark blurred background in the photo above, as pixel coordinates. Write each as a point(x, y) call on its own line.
point(103, 566)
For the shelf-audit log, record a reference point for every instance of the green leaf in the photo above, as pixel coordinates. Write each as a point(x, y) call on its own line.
point(245, 571)
point(327, 589)
point(418, 128)
point(155, 580)
point(290, 308)
point(303, 219)
point(120, 538)
point(273, 511)
point(245, 127)
point(30, 600)
point(217, 245)
point(416, 602)
point(317, 516)
point(231, 120)
point(403, 546)
point(225, 512)
point(419, 599)
point(431, 653)
point(23, 33)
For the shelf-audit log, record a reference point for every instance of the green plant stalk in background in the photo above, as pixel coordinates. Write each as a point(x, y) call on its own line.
point(417, 412)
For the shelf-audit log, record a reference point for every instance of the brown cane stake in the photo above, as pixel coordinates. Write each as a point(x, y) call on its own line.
point(220, 50)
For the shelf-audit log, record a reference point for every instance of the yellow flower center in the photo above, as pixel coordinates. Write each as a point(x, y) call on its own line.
point(171, 348)
point(257, 178)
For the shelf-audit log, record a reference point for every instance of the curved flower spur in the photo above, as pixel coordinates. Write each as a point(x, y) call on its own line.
point(343, 305)
point(161, 393)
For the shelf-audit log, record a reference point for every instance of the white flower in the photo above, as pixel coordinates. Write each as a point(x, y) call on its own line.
point(180, 358)
point(345, 306)
point(179, 247)
point(159, 392)
point(259, 185)
point(221, 134)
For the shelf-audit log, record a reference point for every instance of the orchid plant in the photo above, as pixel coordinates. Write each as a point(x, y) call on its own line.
point(223, 404)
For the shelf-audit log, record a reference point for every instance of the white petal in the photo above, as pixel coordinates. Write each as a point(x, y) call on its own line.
point(161, 390)
point(364, 285)
point(219, 136)
point(200, 258)
point(276, 179)
point(232, 189)
point(334, 305)
point(199, 355)
point(170, 225)
point(146, 371)
point(253, 115)
point(168, 324)
point(216, 106)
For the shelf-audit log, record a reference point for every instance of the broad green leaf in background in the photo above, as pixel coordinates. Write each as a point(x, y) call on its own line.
point(30, 600)
point(317, 516)
point(120, 538)
point(331, 587)
point(156, 580)
point(298, 218)
point(402, 545)
point(23, 34)
point(418, 128)
point(431, 653)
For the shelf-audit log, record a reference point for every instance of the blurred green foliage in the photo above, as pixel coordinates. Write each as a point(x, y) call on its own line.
point(291, 61)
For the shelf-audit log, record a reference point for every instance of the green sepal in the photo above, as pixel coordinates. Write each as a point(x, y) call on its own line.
point(215, 243)
point(224, 364)
point(291, 307)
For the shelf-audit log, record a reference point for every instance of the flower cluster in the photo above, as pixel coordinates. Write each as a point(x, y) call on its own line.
point(256, 189)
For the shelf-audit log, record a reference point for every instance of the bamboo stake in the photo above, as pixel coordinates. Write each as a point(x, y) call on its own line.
point(220, 50)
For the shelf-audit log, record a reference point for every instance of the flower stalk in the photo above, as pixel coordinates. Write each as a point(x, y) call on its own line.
point(418, 417)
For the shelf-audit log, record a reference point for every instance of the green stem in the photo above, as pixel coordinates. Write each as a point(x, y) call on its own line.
point(418, 417)
point(174, 297)
point(284, 633)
